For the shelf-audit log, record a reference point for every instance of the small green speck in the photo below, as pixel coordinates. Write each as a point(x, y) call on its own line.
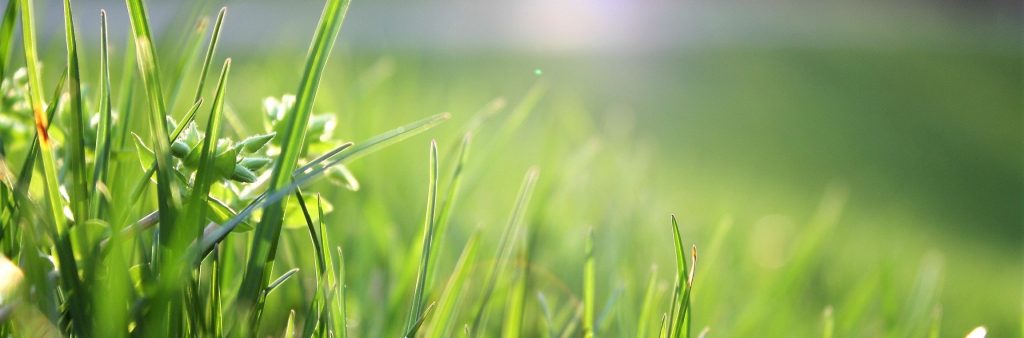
point(538, 72)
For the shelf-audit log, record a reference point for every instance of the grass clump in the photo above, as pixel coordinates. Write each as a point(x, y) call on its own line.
point(166, 217)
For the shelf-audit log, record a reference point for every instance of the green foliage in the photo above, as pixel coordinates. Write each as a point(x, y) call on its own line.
point(128, 217)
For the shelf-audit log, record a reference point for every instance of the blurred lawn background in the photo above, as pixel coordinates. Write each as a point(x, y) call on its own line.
point(747, 119)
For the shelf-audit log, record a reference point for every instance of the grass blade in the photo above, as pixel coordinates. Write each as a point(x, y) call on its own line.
point(209, 53)
point(447, 203)
point(589, 281)
point(647, 307)
point(167, 198)
point(103, 134)
point(7, 35)
point(25, 175)
point(428, 239)
point(446, 307)
point(505, 245)
point(65, 252)
point(394, 136)
point(678, 305)
point(419, 322)
point(79, 190)
point(264, 247)
point(206, 174)
point(341, 313)
point(277, 282)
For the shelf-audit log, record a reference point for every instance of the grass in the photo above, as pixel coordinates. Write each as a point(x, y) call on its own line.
point(211, 219)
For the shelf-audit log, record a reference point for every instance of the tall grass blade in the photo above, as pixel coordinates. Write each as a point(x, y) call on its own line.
point(341, 312)
point(79, 187)
point(678, 304)
point(7, 36)
point(206, 174)
point(25, 175)
point(103, 133)
point(428, 239)
point(453, 290)
point(65, 252)
point(647, 306)
point(167, 197)
point(447, 203)
point(264, 246)
point(209, 53)
point(505, 246)
point(589, 284)
point(41, 120)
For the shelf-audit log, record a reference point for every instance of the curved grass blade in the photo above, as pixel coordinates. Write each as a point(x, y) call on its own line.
point(277, 282)
point(264, 245)
point(428, 239)
point(394, 136)
point(310, 171)
point(79, 191)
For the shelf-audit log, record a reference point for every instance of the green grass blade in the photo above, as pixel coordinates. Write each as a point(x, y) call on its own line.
point(206, 174)
point(516, 301)
point(41, 121)
point(126, 96)
point(395, 135)
point(589, 283)
point(167, 197)
point(7, 35)
point(678, 305)
point(428, 239)
point(209, 53)
point(648, 304)
point(341, 312)
point(79, 187)
point(318, 245)
point(505, 245)
point(289, 328)
point(522, 110)
point(186, 61)
point(447, 203)
point(25, 175)
point(264, 247)
point(277, 282)
point(663, 331)
point(829, 323)
point(419, 322)
point(103, 134)
point(446, 308)
point(65, 253)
